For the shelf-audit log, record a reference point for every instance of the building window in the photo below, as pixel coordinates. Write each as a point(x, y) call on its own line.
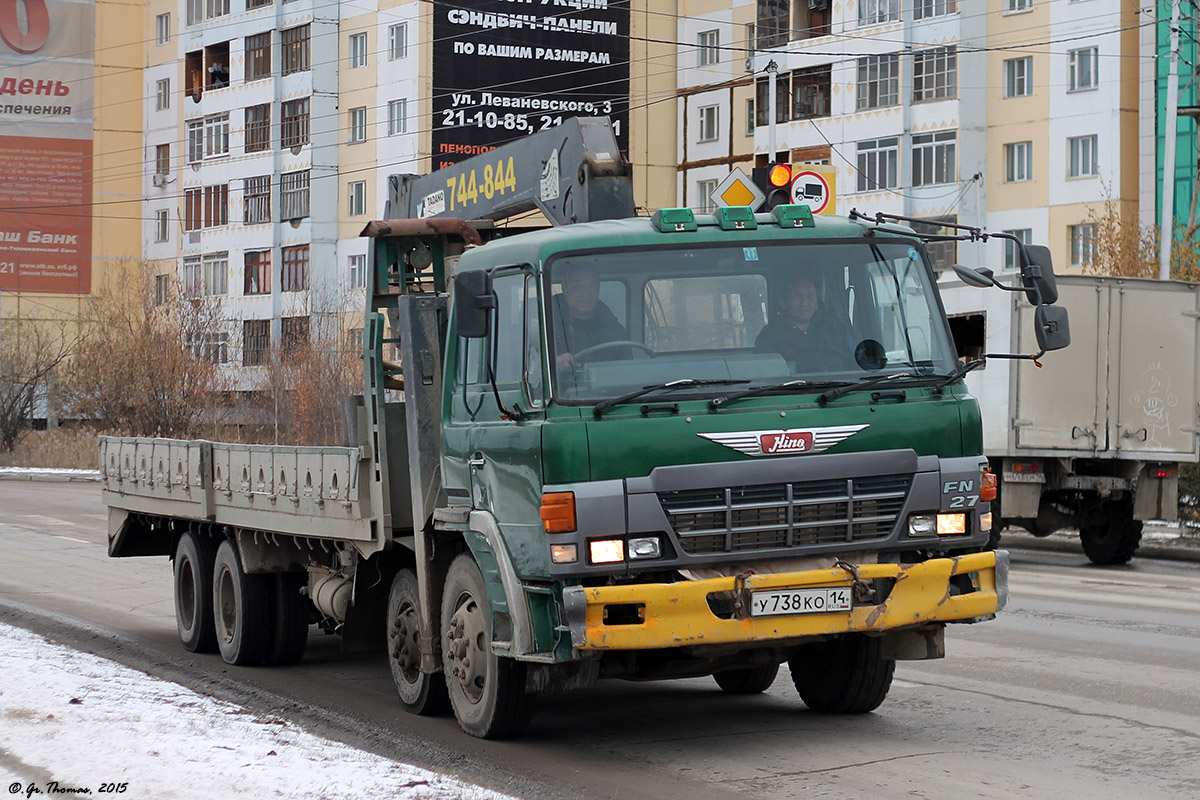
point(257, 275)
point(708, 48)
point(704, 190)
point(935, 73)
point(356, 202)
point(1083, 249)
point(354, 340)
point(216, 135)
point(258, 128)
point(877, 12)
point(878, 164)
point(1018, 77)
point(358, 50)
point(774, 23)
point(293, 334)
point(216, 205)
point(356, 267)
point(933, 158)
point(1083, 68)
point(397, 41)
point(1018, 162)
point(256, 199)
point(195, 141)
point(162, 94)
point(162, 29)
point(195, 11)
point(193, 209)
point(783, 92)
point(293, 195)
point(216, 274)
point(750, 117)
point(162, 159)
point(294, 47)
point(1018, 5)
point(924, 9)
point(358, 125)
point(709, 123)
point(191, 276)
point(1011, 253)
point(878, 81)
point(294, 126)
point(161, 230)
point(252, 4)
point(162, 288)
point(258, 56)
point(397, 116)
point(256, 342)
point(1081, 151)
point(294, 275)
point(216, 8)
point(942, 255)
point(810, 92)
point(210, 347)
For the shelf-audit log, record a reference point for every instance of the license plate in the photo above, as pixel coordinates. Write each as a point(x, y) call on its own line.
point(1024, 477)
point(823, 600)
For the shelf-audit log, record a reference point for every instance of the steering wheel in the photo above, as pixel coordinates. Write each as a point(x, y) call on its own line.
point(647, 352)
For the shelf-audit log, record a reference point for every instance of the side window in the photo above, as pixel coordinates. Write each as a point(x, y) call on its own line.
point(533, 342)
point(470, 358)
point(509, 326)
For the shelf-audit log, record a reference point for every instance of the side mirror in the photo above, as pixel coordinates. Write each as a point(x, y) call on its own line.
point(1037, 275)
point(981, 277)
point(473, 303)
point(1051, 328)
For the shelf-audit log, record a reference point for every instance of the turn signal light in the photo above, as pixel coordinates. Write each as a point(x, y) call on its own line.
point(780, 175)
point(987, 485)
point(558, 512)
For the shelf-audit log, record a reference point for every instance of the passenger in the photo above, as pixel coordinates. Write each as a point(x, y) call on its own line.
point(583, 321)
point(805, 336)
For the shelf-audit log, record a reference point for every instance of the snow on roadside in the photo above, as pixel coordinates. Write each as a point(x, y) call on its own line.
point(90, 723)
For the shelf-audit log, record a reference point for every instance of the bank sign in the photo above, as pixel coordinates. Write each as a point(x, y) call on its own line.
point(46, 145)
point(506, 68)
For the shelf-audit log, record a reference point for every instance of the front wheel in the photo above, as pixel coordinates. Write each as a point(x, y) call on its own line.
point(487, 692)
point(844, 675)
point(420, 693)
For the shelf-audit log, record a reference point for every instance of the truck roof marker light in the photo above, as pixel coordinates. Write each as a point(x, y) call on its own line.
point(987, 485)
point(779, 176)
point(793, 216)
point(558, 512)
point(735, 218)
point(606, 551)
point(673, 220)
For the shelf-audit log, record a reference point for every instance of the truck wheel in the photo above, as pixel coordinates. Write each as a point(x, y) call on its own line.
point(289, 619)
point(749, 680)
point(243, 609)
point(1113, 536)
point(194, 557)
point(487, 692)
point(845, 675)
point(420, 693)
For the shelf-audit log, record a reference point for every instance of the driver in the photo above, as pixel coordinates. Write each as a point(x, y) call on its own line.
point(802, 335)
point(582, 320)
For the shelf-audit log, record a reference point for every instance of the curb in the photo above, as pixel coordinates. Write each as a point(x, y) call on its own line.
point(1069, 543)
point(49, 476)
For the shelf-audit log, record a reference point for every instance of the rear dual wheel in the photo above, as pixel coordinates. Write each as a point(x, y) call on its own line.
point(193, 577)
point(747, 680)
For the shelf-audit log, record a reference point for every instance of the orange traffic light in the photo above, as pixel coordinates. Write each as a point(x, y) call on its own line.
point(780, 175)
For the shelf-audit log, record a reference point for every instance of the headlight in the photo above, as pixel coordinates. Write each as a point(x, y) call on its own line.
point(951, 524)
point(645, 547)
point(606, 551)
point(922, 525)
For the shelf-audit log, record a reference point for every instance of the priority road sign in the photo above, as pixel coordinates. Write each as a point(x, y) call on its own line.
point(737, 190)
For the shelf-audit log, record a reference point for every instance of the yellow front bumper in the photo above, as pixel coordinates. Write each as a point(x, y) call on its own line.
point(678, 614)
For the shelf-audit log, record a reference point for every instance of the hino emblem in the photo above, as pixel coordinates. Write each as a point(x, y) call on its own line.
point(797, 441)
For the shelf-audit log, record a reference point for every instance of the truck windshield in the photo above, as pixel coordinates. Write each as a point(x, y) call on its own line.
point(820, 312)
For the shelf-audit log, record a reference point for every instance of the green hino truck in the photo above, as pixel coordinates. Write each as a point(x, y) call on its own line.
point(616, 447)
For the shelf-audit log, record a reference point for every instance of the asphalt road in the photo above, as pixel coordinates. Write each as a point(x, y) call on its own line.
point(1086, 686)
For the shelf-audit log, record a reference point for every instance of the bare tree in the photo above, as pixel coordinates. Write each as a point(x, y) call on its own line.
point(30, 353)
point(1123, 247)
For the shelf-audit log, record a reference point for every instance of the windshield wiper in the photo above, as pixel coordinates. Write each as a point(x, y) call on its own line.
point(599, 409)
point(946, 380)
point(869, 383)
point(717, 402)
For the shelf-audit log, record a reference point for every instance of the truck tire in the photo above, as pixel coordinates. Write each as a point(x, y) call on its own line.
point(289, 619)
point(1111, 536)
point(193, 569)
point(242, 606)
point(845, 675)
point(487, 692)
point(747, 680)
point(420, 693)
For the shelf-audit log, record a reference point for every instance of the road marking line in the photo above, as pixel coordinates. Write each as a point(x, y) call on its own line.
point(70, 538)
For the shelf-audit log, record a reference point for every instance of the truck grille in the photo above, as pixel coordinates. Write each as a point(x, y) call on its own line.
point(783, 515)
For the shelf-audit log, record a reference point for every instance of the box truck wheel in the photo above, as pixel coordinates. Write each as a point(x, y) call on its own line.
point(420, 692)
point(242, 606)
point(486, 691)
point(290, 613)
point(1109, 533)
point(748, 680)
point(844, 675)
point(194, 557)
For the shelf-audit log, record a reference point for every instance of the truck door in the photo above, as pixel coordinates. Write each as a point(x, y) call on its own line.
point(1153, 392)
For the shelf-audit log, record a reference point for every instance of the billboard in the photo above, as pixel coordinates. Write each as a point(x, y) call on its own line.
point(504, 69)
point(46, 72)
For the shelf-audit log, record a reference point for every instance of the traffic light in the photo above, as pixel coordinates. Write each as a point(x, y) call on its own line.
point(775, 180)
